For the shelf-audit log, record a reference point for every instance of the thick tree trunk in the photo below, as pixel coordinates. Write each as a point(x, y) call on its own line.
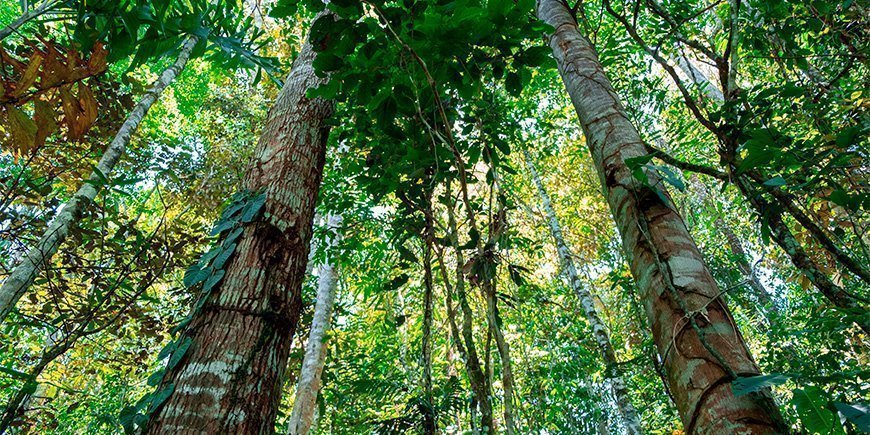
point(304, 407)
point(22, 276)
point(230, 379)
point(630, 417)
point(701, 350)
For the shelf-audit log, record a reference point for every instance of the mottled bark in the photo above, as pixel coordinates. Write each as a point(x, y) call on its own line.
point(230, 379)
point(308, 386)
point(27, 16)
point(630, 417)
point(701, 349)
point(22, 276)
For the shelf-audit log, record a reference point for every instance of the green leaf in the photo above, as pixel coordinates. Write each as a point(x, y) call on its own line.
point(155, 378)
point(536, 56)
point(775, 182)
point(512, 84)
point(253, 207)
point(195, 275)
point(810, 403)
point(750, 384)
point(857, 413)
point(225, 255)
point(232, 236)
point(160, 397)
point(406, 254)
point(221, 226)
point(168, 349)
point(212, 281)
point(284, 9)
point(397, 282)
point(180, 352)
point(127, 417)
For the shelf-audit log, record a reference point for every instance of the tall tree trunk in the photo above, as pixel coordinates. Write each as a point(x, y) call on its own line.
point(22, 276)
point(702, 351)
point(630, 417)
point(801, 259)
point(735, 245)
point(27, 16)
point(786, 200)
point(304, 407)
point(746, 269)
point(429, 419)
point(477, 373)
point(504, 354)
point(230, 379)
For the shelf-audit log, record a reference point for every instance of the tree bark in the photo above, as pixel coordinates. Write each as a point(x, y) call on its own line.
point(22, 276)
point(304, 407)
point(630, 417)
point(230, 379)
point(701, 349)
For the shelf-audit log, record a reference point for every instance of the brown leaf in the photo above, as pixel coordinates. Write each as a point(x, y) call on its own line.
point(88, 105)
point(22, 130)
point(97, 62)
point(45, 121)
point(29, 76)
point(71, 111)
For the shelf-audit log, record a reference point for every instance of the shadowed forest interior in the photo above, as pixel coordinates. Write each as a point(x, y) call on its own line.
point(434, 217)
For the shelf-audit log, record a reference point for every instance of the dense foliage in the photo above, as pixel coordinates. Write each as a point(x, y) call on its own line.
point(754, 114)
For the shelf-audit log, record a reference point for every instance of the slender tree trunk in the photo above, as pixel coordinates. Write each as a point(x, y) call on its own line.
point(801, 260)
point(230, 379)
point(429, 418)
point(737, 251)
point(304, 407)
point(783, 198)
point(699, 79)
point(701, 349)
point(785, 239)
point(27, 16)
point(630, 417)
point(477, 374)
point(504, 353)
point(746, 269)
point(22, 276)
